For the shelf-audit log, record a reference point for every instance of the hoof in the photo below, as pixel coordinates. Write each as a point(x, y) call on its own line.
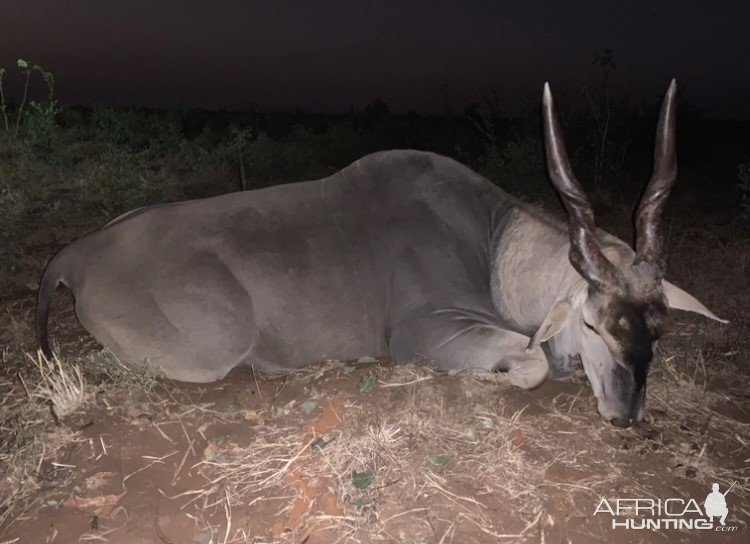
point(524, 373)
point(527, 380)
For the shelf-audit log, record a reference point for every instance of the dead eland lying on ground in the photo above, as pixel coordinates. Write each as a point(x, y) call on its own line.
point(402, 253)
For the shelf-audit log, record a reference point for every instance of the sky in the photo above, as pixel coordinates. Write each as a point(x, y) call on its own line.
point(332, 56)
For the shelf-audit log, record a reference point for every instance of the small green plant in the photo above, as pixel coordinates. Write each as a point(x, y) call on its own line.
point(24, 67)
point(3, 106)
point(41, 128)
point(41, 115)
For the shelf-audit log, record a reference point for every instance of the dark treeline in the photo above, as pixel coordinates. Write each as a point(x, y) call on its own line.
point(479, 137)
point(67, 170)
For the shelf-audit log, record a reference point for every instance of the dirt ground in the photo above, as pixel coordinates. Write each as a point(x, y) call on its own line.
point(371, 452)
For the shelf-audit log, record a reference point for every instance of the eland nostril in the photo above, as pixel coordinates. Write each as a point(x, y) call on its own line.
point(623, 422)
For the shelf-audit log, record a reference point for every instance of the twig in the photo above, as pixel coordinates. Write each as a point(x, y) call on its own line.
point(155, 460)
point(276, 475)
point(453, 495)
point(448, 530)
point(497, 535)
point(23, 102)
point(227, 515)
point(187, 437)
point(184, 457)
point(104, 448)
point(260, 395)
point(165, 435)
point(401, 384)
point(28, 394)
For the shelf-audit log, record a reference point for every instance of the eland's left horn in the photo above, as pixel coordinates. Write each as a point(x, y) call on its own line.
point(650, 239)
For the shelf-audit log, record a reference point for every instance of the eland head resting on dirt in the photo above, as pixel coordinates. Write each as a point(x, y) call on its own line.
point(622, 306)
point(404, 254)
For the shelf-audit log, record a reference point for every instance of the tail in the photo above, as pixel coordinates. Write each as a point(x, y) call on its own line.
point(51, 278)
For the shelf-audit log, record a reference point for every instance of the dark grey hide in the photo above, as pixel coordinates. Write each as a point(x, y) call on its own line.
point(392, 255)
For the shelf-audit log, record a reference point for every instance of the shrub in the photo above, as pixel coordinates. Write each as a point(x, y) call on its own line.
point(116, 181)
point(31, 122)
point(13, 204)
point(516, 164)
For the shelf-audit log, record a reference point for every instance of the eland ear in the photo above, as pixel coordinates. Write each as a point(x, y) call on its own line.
point(681, 300)
point(556, 320)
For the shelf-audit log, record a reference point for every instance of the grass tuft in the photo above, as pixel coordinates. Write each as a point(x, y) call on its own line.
point(62, 385)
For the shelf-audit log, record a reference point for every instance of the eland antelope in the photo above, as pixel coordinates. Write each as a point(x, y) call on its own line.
point(402, 253)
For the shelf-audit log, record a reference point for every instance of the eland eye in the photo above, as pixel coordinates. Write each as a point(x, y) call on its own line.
point(588, 326)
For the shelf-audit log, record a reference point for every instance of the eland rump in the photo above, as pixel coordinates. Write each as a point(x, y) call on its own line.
point(402, 253)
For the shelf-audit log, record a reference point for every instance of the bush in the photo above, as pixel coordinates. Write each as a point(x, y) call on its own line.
point(13, 204)
point(117, 181)
point(516, 164)
point(30, 122)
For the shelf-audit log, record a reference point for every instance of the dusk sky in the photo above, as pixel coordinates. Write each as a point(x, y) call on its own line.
point(338, 55)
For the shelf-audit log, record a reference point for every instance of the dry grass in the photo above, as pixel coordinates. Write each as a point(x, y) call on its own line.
point(687, 364)
point(249, 470)
point(432, 457)
point(425, 457)
point(31, 438)
point(61, 385)
point(29, 445)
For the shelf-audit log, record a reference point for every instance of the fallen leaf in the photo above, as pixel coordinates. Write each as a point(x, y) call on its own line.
point(362, 480)
point(206, 536)
point(100, 506)
point(308, 406)
point(437, 461)
point(367, 383)
point(318, 445)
